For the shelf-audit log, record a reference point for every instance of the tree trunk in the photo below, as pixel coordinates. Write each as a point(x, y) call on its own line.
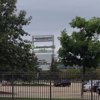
point(82, 91)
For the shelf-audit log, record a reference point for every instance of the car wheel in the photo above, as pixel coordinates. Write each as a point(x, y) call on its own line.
point(84, 90)
point(99, 92)
point(55, 85)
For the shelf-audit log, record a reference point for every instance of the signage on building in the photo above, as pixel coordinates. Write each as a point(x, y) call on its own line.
point(42, 38)
point(44, 61)
point(42, 49)
point(39, 47)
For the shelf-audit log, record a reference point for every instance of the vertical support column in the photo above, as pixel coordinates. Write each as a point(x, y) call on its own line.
point(32, 43)
point(12, 86)
point(91, 87)
point(53, 47)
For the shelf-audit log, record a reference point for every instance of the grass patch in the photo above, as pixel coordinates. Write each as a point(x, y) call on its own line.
point(36, 99)
point(27, 85)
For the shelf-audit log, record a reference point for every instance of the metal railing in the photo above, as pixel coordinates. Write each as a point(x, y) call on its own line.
point(41, 86)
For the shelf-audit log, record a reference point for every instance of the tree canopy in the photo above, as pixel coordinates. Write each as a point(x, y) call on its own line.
point(15, 54)
point(82, 47)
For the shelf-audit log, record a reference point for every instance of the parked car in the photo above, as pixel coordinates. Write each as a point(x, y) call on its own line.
point(94, 88)
point(98, 89)
point(88, 87)
point(62, 82)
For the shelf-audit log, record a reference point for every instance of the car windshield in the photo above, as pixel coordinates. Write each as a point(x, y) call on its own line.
point(99, 84)
point(88, 83)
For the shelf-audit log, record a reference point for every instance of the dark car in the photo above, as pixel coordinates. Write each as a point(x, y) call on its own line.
point(98, 89)
point(94, 88)
point(62, 82)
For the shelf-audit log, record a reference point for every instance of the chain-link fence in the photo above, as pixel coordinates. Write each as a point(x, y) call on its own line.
point(46, 86)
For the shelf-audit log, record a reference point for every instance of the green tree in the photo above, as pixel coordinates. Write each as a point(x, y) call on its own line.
point(54, 70)
point(82, 47)
point(15, 52)
point(53, 67)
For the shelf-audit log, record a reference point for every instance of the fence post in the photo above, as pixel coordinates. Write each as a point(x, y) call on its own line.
point(83, 76)
point(12, 86)
point(50, 85)
point(91, 87)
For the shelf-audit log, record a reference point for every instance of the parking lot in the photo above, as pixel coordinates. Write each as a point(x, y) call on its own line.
point(74, 91)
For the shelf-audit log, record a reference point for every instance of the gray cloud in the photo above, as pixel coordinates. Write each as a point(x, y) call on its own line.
point(52, 16)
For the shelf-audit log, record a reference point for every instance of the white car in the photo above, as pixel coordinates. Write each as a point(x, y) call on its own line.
point(87, 86)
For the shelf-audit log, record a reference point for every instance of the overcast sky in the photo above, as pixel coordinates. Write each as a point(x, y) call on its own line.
point(52, 16)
